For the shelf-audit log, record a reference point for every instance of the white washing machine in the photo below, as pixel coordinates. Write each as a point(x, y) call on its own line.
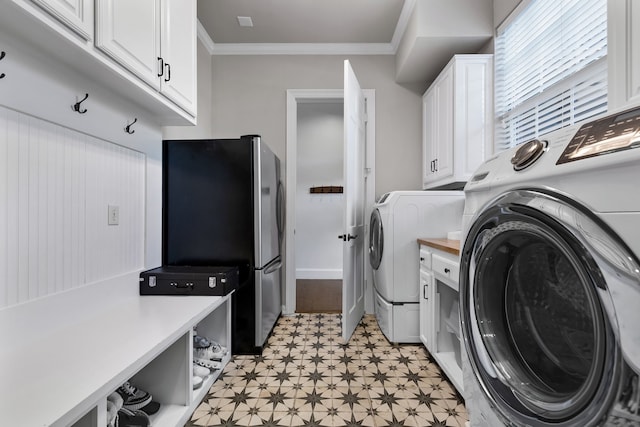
point(550, 280)
point(397, 221)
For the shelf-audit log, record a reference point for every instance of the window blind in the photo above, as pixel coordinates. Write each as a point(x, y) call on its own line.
point(550, 68)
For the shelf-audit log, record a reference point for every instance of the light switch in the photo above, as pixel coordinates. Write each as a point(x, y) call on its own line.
point(114, 215)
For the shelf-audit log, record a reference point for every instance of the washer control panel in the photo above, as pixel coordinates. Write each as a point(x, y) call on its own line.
point(607, 135)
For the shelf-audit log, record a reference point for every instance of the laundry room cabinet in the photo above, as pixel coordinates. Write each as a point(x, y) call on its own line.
point(142, 51)
point(457, 121)
point(75, 14)
point(156, 40)
point(439, 309)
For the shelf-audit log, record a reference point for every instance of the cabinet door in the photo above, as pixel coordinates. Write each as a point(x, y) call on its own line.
point(179, 52)
point(429, 136)
point(129, 32)
point(75, 14)
point(444, 125)
point(426, 309)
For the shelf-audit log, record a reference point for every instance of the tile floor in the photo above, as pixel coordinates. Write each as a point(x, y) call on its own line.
point(306, 377)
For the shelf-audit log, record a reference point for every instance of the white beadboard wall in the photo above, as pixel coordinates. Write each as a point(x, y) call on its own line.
point(55, 188)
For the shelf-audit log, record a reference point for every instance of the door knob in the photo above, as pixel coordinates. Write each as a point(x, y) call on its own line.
point(351, 237)
point(347, 237)
point(343, 237)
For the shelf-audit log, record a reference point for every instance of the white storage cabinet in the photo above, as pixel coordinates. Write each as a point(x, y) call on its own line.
point(439, 311)
point(156, 40)
point(75, 14)
point(457, 121)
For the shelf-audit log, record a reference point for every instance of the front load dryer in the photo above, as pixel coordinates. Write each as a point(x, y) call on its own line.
point(550, 280)
point(397, 221)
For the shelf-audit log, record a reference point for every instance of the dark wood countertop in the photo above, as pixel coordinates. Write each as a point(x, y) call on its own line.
point(451, 246)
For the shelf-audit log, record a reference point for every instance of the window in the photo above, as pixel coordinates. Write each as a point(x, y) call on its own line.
point(550, 68)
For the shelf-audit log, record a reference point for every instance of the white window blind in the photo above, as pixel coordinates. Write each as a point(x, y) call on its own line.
point(550, 68)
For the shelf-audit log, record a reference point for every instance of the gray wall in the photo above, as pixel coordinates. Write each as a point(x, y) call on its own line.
point(249, 96)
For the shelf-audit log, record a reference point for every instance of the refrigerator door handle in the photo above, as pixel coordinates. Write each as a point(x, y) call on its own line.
point(273, 267)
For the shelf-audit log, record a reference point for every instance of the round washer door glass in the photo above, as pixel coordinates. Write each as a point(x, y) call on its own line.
point(539, 339)
point(376, 240)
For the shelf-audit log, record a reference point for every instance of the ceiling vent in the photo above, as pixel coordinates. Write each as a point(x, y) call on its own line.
point(245, 21)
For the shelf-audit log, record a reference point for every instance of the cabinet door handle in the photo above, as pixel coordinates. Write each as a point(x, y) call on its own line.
point(435, 165)
point(421, 258)
point(160, 66)
point(424, 292)
point(168, 77)
point(446, 270)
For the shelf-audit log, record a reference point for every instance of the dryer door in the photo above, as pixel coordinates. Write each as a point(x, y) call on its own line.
point(535, 283)
point(376, 240)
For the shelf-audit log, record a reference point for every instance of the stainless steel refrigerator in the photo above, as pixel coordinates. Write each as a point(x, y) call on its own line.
point(223, 206)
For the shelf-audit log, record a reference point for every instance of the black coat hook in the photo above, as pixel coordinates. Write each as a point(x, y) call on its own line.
point(76, 106)
point(128, 129)
point(2, 55)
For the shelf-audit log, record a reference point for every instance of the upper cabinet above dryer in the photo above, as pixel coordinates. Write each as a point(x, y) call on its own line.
point(75, 14)
point(457, 112)
point(623, 54)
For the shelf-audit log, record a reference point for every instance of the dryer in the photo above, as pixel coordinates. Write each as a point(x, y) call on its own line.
point(398, 219)
point(550, 280)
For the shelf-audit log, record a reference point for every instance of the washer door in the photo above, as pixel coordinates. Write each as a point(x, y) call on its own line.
point(376, 240)
point(533, 291)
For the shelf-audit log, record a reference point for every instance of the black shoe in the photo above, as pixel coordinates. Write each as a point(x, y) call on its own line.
point(132, 418)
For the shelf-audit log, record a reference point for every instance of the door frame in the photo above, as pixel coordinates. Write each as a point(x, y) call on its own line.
point(301, 96)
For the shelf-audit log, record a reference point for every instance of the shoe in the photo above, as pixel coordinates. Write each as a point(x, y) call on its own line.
point(214, 352)
point(208, 363)
point(151, 408)
point(133, 397)
point(200, 371)
point(132, 418)
point(200, 341)
point(197, 382)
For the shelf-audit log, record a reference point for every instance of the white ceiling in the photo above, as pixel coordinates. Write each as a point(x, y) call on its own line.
point(369, 25)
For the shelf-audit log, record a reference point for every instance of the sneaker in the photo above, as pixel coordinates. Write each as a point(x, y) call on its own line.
point(208, 363)
point(200, 371)
point(151, 408)
point(132, 418)
point(197, 382)
point(133, 397)
point(200, 342)
point(214, 352)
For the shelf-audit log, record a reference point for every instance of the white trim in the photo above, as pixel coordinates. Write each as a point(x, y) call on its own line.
point(403, 22)
point(295, 96)
point(514, 13)
point(303, 49)
point(206, 40)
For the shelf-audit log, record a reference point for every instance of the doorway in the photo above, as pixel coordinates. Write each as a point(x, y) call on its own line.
point(319, 215)
point(323, 105)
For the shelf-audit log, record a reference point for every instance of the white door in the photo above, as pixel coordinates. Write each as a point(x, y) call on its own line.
point(129, 32)
point(354, 191)
point(178, 46)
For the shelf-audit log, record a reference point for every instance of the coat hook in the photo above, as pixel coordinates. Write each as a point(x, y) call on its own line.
point(2, 55)
point(76, 106)
point(128, 129)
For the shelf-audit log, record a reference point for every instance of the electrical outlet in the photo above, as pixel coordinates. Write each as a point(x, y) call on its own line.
point(114, 215)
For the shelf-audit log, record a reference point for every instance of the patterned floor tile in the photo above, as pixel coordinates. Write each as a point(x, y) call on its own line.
point(306, 376)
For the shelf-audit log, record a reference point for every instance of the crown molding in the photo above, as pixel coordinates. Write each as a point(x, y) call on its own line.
point(403, 22)
point(204, 37)
point(303, 49)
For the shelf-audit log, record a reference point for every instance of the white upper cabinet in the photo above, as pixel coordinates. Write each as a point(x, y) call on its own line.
point(75, 14)
point(156, 40)
point(179, 52)
point(129, 32)
point(623, 53)
point(457, 121)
